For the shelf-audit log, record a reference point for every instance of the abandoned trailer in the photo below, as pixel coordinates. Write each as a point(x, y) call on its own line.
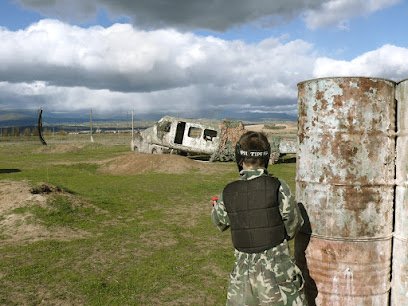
point(176, 135)
point(201, 137)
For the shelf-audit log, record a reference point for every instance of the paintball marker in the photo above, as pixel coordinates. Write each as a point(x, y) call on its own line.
point(214, 200)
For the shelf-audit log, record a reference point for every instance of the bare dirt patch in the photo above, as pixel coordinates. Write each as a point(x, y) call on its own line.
point(213, 271)
point(50, 296)
point(181, 294)
point(41, 295)
point(158, 239)
point(23, 227)
point(280, 128)
point(188, 215)
point(255, 127)
point(16, 194)
point(60, 148)
point(136, 163)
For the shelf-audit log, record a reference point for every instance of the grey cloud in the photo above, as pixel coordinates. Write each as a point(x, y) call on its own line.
point(13, 97)
point(155, 80)
point(66, 9)
point(213, 14)
point(203, 101)
point(182, 14)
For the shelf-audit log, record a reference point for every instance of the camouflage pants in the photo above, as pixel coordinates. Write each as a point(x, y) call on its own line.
point(267, 278)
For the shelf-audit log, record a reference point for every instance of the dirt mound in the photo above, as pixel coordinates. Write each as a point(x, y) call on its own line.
point(45, 188)
point(274, 128)
point(135, 163)
point(18, 224)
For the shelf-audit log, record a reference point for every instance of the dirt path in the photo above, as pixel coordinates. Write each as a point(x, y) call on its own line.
point(135, 163)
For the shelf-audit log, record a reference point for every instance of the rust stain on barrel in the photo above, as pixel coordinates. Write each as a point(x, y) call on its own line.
point(345, 179)
point(346, 279)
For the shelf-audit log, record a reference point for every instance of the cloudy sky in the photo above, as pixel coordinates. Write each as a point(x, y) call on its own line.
point(191, 57)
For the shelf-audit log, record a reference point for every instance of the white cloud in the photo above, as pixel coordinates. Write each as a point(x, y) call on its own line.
point(119, 66)
point(387, 62)
point(338, 12)
point(58, 98)
point(65, 67)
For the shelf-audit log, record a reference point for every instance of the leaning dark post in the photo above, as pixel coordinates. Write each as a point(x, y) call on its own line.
point(345, 181)
point(399, 292)
point(39, 127)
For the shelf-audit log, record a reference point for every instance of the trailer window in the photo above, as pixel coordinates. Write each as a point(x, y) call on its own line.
point(194, 132)
point(209, 134)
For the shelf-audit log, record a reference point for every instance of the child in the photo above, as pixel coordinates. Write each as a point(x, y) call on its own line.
point(262, 215)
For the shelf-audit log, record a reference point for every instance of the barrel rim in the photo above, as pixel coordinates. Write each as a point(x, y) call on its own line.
point(349, 77)
point(403, 80)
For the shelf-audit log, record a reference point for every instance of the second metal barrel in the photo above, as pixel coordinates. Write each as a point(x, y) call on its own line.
point(345, 181)
point(399, 292)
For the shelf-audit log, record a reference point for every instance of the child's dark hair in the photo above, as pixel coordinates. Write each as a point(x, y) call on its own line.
point(253, 141)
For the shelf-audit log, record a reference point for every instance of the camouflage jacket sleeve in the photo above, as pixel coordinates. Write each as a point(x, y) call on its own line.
point(289, 210)
point(219, 215)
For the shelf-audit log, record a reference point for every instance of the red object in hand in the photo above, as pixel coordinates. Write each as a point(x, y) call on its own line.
point(214, 200)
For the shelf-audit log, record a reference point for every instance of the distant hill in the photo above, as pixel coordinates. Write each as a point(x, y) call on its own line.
point(18, 118)
point(259, 117)
point(23, 118)
point(243, 116)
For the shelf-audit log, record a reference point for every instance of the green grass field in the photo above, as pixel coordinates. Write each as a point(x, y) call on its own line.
point(141, 239)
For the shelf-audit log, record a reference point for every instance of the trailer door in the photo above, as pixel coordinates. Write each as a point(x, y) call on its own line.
point(181, 126)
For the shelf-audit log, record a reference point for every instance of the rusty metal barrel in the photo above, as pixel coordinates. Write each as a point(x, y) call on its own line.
point(345, 182)
point(399, 292)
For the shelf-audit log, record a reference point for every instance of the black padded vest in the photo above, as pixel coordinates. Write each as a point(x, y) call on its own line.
point(253, 210)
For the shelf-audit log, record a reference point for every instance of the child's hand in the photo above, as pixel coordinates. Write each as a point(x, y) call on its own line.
point(214, 200)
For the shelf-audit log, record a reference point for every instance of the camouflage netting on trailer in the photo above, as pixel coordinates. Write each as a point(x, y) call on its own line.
point(275, 151)
point(230, 133)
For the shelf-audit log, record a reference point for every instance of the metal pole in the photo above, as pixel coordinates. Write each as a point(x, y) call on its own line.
point(132, 147)
point(91, 126)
